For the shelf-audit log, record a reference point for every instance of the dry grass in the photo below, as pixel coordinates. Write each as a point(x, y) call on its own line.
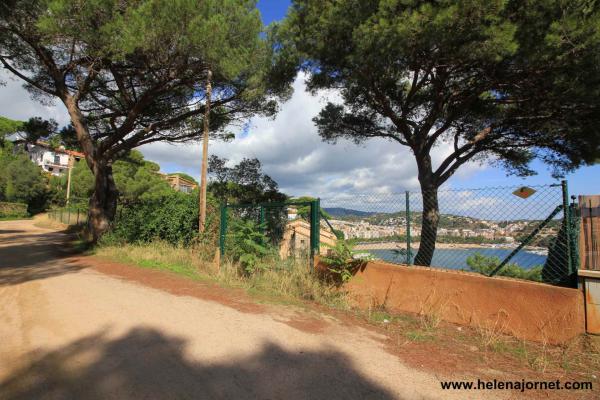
point(286, 281)
point(44, 221)
point(491, 334)
point(430, 312)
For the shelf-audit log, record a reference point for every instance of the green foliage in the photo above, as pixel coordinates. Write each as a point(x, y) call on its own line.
point(8, 126)
point(342, 260)
point(485, 265)
point(556, 269)
point(136, 179)
point(13, 210)
point(186, 176)
point(242, 183)
point(304, 211)
point(246, 183)
point(503, 80)
point(22, 181)
point(172, 217)
point(135, 72)
point(37, 128)
point(406, 75)
point(247, 244)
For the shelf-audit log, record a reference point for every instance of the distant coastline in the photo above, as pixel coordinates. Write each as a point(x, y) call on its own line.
point(415, 246)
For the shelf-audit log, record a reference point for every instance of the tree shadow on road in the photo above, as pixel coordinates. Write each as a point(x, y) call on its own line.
point(146, 364)
point(34, 256)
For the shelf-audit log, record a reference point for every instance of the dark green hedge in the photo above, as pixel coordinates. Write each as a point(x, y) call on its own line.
point(13, 210)
point(172, 218)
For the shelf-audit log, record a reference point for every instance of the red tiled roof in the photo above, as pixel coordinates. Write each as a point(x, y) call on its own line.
point(75, 153)
point(59, 150)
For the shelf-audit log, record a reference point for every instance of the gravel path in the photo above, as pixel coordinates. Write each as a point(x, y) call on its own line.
point(71, 331)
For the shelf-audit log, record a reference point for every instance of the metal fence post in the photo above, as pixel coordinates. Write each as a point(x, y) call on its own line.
point(408, 249)
point(262, 222)
point(314, 227)
point(223, 230)
point(576, 223)
point(567, 222)
point(318, 226)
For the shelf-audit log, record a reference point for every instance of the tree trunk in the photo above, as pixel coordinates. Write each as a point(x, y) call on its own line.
point(103, 204)
point(431, 213)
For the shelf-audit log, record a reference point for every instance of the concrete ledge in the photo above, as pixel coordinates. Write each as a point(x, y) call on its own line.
point(589, 273)
point(527, 310)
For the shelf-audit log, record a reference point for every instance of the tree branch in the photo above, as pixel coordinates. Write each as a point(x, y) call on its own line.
point(26, 79)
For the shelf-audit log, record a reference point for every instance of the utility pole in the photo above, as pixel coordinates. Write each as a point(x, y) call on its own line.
point(70, 168)
point(203, 183)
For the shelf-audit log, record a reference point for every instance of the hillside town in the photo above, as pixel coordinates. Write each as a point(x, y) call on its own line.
point(502, 232)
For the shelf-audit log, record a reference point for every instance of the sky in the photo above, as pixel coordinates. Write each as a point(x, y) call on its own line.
point(293, 154)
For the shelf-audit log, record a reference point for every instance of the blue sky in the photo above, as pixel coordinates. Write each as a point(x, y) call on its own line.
point(584, 181)
point(292, 152)
point(272, 10)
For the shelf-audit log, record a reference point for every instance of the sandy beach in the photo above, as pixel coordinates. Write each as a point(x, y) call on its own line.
point(415, 245)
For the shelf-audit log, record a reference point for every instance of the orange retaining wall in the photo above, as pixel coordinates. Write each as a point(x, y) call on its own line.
point(526, 310)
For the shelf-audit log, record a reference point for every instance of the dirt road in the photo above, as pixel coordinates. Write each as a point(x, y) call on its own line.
point(70, 331)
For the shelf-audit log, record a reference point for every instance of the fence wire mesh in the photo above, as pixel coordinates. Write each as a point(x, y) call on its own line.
point(285, 230)
point(69, 215)
point(521, 232)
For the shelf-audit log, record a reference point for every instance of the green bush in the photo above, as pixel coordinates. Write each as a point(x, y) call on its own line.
point(485, 265)
point(556, 269)
point(247, 244)
point(13, 210)
point(172, 218)
point(21, 181)
point(343, 261)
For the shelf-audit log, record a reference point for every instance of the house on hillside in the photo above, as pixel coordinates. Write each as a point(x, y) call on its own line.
point(179, 183)
point(296, 239)
point(54, 161)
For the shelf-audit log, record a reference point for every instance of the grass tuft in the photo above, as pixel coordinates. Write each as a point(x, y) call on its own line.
point(290, 281)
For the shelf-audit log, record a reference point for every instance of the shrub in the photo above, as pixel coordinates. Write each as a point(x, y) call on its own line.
point(247, 244)
point(485, 265)
point(342, 260)
point(556, 269)
point(21, 181)
point(13, 210)
point(172, 218)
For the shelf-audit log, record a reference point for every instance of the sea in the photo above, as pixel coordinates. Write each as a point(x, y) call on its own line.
point(457, 258)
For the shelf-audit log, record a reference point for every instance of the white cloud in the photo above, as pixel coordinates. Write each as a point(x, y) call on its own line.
point(292, 152)
point(288, 146)
point(16, 102)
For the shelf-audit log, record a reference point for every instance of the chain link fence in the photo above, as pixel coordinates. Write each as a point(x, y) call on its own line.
point(75, 213)
point(69, 215)
point(287, 229)
point(521, 232)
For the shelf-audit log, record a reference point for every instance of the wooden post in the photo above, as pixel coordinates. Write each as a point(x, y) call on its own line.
point(70, 168)
point(203, 183)
point(589, 237)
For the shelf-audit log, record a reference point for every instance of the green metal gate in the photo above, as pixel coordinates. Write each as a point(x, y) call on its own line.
point(271, 218)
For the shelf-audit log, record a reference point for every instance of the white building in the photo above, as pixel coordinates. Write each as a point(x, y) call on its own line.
point(53, 161)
